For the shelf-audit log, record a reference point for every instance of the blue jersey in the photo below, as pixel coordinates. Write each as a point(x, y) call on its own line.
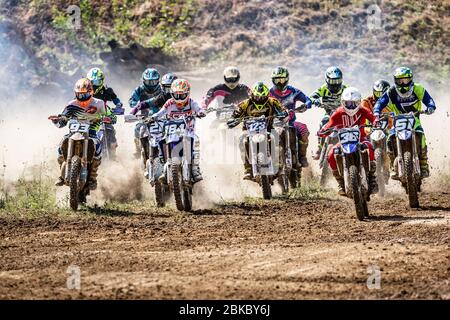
point(288, 99)
point(141, 95)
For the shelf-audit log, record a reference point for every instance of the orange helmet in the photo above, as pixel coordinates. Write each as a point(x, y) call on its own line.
point(181, 90)
point(83, 92)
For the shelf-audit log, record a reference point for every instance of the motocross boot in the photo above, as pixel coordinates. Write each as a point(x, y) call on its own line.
point(137, 152)
point(373, 185)
point(302, 148)
point(423, 161)
point(340, 181)
point(196, 173)
point(316, 155)
point(60, 181)
point(92, 183)
point(394, 175)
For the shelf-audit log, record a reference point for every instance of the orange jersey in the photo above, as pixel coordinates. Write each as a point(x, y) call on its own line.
point(369, 103)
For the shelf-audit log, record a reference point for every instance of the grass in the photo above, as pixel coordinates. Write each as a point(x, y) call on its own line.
point(33, 190)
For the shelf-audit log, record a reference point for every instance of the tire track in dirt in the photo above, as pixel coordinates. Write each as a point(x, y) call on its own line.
point(275, 249)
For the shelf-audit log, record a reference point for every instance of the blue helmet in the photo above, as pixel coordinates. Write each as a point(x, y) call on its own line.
point(150, 79)
point(166, 81)
point(333, 77)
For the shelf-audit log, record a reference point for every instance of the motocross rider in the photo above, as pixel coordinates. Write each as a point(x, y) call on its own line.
point(259, 104)
point(328, 95)
point(141, 97)
point(182, 105)
point(404, 97)
point(84, 103)
point(105, 93)
point(153, 105)
point(231, 91)
point(288, 96)
point(351, 113)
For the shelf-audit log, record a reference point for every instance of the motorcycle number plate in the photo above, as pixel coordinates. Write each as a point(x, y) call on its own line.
point(349, 137)
point(384, 124)
point(404, 124)
point(256, 126)
point(79, 127)
point(156, 127)
point(225, 115)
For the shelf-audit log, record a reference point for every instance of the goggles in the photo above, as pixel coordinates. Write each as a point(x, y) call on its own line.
point(232, 80)
point(96, 82)
point(351, 105)
point(377, 94)
point(151, 83)
point(334, 81)
point(403, 82)
point(180, 96)
point(280, 81)
point(83, 96)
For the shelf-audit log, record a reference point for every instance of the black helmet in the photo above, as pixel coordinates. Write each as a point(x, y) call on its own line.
point(379, 88)
point(333, 77)
point(166, 81)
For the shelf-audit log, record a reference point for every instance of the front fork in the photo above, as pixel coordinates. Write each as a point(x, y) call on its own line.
point(404, 146)
point(344, 161)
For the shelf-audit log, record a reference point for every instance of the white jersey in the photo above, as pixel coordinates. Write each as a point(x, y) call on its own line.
point(172, 111)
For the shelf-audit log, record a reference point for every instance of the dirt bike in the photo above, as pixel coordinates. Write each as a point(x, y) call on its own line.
point(223, 114)
point(329, 141)
point(260, 156)
point(180, 142)
point(103, 134)
point(406, 162)
point(78, 150)
point(378, 137)
point(152, 133)
point(353, 168)
point(286, 173)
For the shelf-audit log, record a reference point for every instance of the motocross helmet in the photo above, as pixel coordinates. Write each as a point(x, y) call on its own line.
point(166, 81)
point(333, 78)
point(403, 78)
point(180, 91)
point(379, 88)
point(83, 92)
point(97, 78)
point(351, 100)
point(150, 79)
point(259, 95)
point(231, 76)
point(280, 78)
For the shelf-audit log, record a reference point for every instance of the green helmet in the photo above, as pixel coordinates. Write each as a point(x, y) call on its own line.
point(97, 78)
point(403, 78)
point(280, 78)
point(259, 94)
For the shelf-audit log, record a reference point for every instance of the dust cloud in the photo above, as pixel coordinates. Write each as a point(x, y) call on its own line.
point(28, 138)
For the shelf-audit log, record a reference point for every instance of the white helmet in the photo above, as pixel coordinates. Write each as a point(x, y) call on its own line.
point(231, 75)
point(351, 100)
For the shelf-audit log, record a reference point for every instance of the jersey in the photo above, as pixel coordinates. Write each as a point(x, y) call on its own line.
point(229, 96)
point(340, 119)
point(271, 108)
point(330, 101)
point(288, 99)
point(94, 112)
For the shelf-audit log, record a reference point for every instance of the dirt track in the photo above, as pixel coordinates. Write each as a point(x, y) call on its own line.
point(267, 250)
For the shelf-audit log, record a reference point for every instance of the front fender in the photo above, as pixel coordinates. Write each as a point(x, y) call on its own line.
point(349, 148)
point(77, 136)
